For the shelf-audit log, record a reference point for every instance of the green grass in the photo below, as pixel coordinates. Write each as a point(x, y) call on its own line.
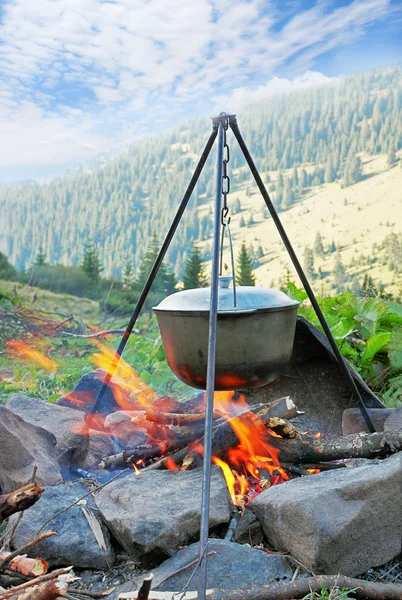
point(368, 331)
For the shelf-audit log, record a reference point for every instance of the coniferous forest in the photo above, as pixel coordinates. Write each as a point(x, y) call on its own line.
point(117, 203)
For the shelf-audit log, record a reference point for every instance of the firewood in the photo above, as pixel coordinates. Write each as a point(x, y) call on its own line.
point(27, 566)
point(176, 419)
point(9, 557)
point(19, 500)
point(33, 582)
point(282, 427)
point(364, 590)
point(224, 437)
point(306, 449)
point(51, 590)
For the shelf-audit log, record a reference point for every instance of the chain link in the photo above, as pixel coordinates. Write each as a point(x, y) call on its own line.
point(225, 220)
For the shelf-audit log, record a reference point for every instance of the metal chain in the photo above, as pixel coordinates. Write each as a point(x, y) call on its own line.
point(225, 220)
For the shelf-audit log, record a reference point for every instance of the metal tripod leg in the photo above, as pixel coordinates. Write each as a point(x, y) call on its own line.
point(206, 474)
point(341, 361)
point(155, 268)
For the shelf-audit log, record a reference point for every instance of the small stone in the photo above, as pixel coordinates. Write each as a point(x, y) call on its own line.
point(75, 543)
point(155, 513)
point(124, 431)
point(98, 446)
point(248, 530)
point(342, 521)
point(23, 446)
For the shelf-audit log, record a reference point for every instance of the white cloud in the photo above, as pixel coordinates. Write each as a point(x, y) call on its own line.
point(116, 60)
point(243, 95)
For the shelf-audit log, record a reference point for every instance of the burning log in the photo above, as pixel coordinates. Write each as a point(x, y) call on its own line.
point(224, 436)
point(19, 500)
point(143, 592)
point(282, 427)
point(363, 590)
point(305, 449)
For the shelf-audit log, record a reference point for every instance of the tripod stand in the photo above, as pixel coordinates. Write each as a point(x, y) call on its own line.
point(220, 125)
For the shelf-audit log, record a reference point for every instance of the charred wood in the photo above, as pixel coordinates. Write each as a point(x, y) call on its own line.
point(19, 500)
point(305, 449)
point(364, 590)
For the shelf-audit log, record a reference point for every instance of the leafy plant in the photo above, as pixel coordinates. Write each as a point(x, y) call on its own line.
point(368, 331)
point(334, 593)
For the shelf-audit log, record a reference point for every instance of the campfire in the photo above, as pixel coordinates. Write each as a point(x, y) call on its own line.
point(157, 442)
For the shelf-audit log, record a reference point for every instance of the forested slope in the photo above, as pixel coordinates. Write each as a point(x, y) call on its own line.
point(121, 200)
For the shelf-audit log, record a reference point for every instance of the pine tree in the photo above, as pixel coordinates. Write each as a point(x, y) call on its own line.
point(165, 281)
point(339, 273)
point(40, 258)
point(329, 175)
point(318, 245)
point(353, 170)
point(244, 267)
point(242, 222)
point(391, 157)
point(7, 271)
point(308, 262)
point(236, 206)
point(194, 275)
point(128, 274)
point(91, 264)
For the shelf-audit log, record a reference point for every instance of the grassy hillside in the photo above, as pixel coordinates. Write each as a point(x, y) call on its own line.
point(354, 218)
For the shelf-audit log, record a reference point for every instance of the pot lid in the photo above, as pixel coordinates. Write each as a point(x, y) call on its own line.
point(249, 298)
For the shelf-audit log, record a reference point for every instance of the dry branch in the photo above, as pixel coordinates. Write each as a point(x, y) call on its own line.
point(362, 445)
point(51, 590)
point(19, 500)
point(7, 560)
point(364, 590)
point(38, 580)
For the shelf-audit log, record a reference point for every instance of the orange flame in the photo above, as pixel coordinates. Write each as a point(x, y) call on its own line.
point(127, 386)
point(24, 351)
point(253, 451)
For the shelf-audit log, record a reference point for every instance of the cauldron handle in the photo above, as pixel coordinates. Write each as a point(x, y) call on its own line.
point(223, 282)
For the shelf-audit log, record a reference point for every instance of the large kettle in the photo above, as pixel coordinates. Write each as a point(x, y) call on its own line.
point(254, 339)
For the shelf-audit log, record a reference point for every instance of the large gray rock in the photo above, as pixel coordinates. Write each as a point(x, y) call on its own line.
point(75, 543)
point(155, 513)
point(230, 567)
point(98, 446)
point(85, 392)
point(22, 447)
point(121, 427)
point(66, 424)
point(342, 521)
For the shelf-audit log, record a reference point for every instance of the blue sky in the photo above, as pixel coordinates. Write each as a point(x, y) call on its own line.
point(79, 77)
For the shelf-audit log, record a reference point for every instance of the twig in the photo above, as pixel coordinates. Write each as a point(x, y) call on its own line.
point(40, 579)
point(144, 590)
point(82, 498)
point(22, 549)
point(94, 335)
point(92, 594)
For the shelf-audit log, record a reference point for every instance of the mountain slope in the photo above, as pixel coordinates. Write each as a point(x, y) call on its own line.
point(298, 141)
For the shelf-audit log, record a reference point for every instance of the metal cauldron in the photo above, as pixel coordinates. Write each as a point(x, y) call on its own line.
point(254, 339)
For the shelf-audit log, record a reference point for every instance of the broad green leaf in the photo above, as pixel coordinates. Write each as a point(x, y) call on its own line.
point(296, 293)
point(145, 376)
point(395, 348)
point(343, 328)
point(375, 344)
